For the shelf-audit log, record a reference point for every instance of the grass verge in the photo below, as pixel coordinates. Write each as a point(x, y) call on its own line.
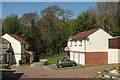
point(24, 65)
point(53, 58)
point(69, 68)
point(77, 67)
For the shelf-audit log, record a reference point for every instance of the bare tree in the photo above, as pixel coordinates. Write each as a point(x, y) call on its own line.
point(106, 15)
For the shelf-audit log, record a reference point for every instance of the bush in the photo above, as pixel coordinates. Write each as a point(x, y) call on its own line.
point(5, 66)
point(113, 68)
point(46, 63)
point(118, 68)
point(106, 71)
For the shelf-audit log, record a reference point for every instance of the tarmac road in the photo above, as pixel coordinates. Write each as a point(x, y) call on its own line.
point(46, 72)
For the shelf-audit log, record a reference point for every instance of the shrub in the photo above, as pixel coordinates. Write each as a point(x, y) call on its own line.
point(113, 68)
point(46, 63)
point(105, 71)
point(118, 68)
point(5, 66)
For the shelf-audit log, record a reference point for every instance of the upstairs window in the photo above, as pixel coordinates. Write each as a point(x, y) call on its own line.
point(5, 45)
point(75, 43)
point(80, 42)
point(70, 43)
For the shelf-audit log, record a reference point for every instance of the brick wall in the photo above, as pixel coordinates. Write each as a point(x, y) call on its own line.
point(96, 58)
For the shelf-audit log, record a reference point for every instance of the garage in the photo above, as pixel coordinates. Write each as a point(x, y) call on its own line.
point(114, 50)
point(78, 57)
point(82, 58)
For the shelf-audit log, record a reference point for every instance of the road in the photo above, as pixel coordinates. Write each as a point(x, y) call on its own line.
point(45, 72)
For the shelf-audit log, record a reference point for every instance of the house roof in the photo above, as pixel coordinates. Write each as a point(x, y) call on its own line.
point(18, 38)
point(84, 34)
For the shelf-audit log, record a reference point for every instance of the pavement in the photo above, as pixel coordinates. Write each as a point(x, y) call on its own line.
point(41, 71)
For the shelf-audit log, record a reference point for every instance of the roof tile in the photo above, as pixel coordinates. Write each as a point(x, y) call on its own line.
point(85, 34)
point(18, 38)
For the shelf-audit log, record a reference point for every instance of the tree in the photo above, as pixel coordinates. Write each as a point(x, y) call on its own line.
point(106, 15)
point(11, 24)
point(51, 24)
point(0, 27)
point(84, 22)
point(28, 18)
point(31, 31)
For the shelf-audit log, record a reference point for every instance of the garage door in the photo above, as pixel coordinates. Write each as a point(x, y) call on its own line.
point(71, 55)
point(76, 57)
point(82, 58)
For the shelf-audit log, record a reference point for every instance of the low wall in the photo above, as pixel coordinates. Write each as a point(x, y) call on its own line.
point(113, 56)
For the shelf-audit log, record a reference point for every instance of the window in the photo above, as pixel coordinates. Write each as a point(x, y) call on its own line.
point(75, 43)
point(62, 60)
point(80, 42)
point(70, 43)
point(5, 45)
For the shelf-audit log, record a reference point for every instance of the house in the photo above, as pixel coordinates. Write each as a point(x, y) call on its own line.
point(89, 47)
point(18, 46)
point(114, 50)
point(5, 45)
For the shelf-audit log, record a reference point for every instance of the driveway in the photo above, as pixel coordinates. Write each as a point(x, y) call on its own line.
point(46, 72)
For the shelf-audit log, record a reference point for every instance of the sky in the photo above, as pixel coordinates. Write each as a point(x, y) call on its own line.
point(21, 8)
point(59, 0)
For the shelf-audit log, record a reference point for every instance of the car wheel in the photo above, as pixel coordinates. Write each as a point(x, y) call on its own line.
point(73, 64)
point(59, 66)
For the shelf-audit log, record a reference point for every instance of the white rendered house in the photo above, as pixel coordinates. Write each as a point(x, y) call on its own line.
point(5, 45)
point(18, 46)
point(89, 47)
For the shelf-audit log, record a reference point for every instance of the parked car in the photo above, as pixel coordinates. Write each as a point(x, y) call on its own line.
point(65, 62)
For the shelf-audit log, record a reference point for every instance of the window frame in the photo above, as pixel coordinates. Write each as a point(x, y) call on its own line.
point(4, 45)
point(80, 42)
point(70, 43)
point(75, 43)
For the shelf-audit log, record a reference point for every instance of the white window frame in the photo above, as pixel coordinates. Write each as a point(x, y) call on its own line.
point(70, 43)
point(75, 43)
point(5, 45)
point(80, 42)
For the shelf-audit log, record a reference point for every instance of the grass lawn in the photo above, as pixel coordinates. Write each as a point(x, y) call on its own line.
point(24, 65)
point(68, 68)
point(53, 58)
